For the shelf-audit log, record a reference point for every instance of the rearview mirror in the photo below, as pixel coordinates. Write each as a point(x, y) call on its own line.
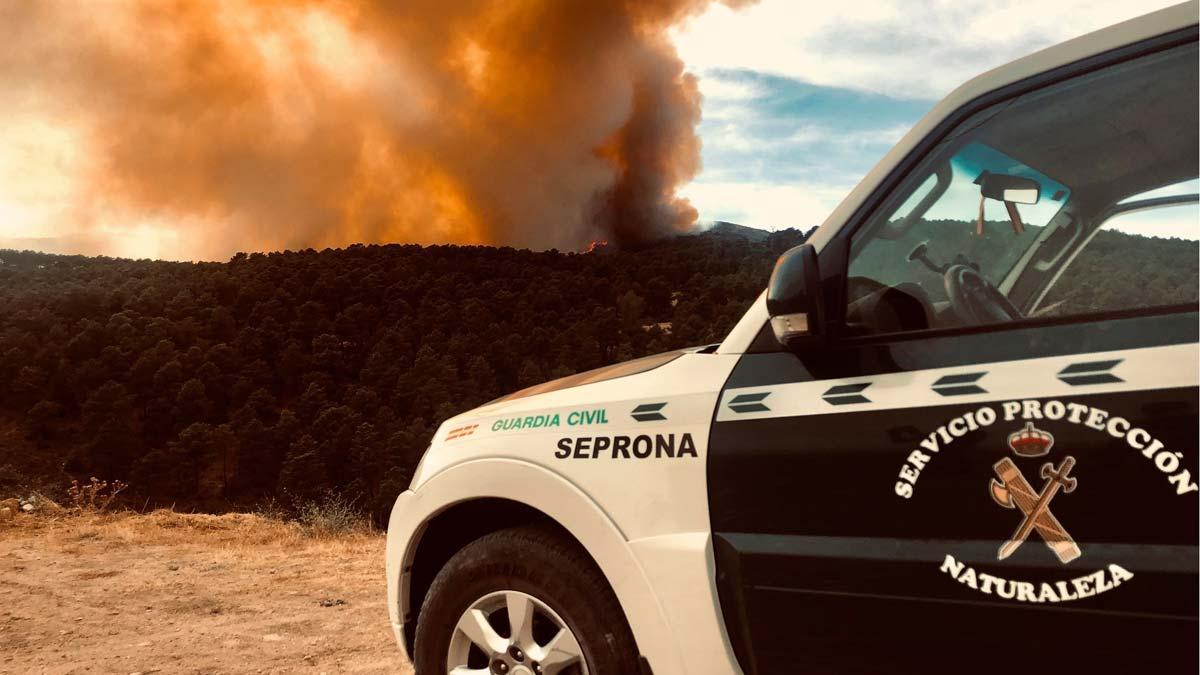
point(1012, 189)
point(794, 295)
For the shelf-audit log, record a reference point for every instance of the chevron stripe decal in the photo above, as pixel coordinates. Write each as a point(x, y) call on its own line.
point(649, 412)
point(846, 394)
point(959, 385)
point(1146, 368)
point(1092, 372)
point(748, 403)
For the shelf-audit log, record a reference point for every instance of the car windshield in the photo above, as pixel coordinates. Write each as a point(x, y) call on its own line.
point(996, 211)
point(941, 217)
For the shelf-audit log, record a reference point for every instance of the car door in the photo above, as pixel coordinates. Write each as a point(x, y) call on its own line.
point(958, 479)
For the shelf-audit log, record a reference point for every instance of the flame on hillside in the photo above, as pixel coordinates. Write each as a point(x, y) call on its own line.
point(270, 124)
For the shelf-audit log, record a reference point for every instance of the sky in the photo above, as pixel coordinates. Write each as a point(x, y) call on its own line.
point(801, 99)
point(799, 105)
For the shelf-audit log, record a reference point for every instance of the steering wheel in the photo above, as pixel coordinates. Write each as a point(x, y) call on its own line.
point(975, 300)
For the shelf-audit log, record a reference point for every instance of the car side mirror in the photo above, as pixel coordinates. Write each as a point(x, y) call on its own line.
point(1011, 189)
point(794, 296)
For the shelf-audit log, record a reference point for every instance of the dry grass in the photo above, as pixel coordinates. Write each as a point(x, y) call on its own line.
point(164, 526)
point(190, 593)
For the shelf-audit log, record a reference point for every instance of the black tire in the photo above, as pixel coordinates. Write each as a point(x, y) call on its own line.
point(542, 563)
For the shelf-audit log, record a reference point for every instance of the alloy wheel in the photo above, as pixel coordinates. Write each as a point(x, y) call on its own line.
point(513, 633)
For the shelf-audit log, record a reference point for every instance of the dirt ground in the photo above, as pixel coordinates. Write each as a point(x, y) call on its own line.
point(174, 593)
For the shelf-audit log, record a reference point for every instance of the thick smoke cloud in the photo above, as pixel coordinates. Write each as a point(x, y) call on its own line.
point(270, 124)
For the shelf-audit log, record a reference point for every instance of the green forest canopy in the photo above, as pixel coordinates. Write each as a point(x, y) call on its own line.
point(214, 384)
point(218, 384)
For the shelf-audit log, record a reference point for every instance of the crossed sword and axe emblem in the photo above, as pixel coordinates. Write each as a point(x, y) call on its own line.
point(1012, 490)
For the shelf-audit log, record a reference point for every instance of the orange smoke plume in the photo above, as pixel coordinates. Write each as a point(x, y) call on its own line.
point(272, 124)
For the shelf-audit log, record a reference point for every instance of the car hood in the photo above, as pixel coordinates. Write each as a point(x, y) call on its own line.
point(604, 373)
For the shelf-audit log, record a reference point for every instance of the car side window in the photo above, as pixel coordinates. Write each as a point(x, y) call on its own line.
point(1054, 203)
point(1139, 255)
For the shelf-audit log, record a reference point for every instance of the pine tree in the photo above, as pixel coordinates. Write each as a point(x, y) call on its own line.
point(303, 474)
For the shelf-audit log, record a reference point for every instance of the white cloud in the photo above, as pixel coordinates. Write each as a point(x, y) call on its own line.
point(766, 205)
point(733, 136)
point(716, 87)
point(774, 157)
point(901, 49)
point(812, 134)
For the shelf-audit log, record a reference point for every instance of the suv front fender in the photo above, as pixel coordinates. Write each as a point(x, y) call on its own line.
point(557, 498)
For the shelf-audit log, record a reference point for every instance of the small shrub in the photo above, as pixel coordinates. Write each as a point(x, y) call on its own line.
point(94, 496)
point(331, 514)
point(273, 509)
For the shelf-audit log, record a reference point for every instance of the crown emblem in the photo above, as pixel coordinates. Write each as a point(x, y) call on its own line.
point(1030, 441)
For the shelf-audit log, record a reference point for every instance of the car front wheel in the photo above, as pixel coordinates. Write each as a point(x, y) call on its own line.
point(522, 601)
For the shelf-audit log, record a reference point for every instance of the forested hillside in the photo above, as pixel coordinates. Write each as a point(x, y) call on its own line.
point(290, 373)
point(1118, 270)
point(217, 384)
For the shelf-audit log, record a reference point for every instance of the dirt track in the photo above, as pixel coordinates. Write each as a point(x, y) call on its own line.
point(171, 593)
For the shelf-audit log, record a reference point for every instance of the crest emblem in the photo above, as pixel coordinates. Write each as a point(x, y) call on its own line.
point(1032, 500)
point(1012, 490)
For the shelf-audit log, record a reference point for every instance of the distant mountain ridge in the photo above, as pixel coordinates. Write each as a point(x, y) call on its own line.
point(725, 228)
